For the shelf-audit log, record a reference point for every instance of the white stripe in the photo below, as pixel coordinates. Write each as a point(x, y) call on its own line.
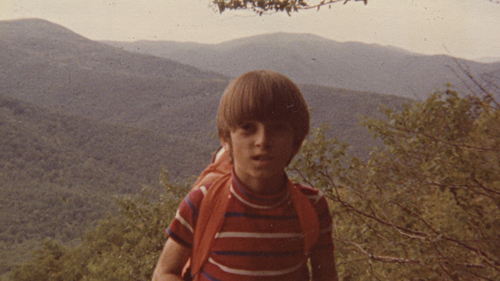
point(203, 190)
point(254, 205)
point(256, 235)
point(183, 222)
point(257, 273)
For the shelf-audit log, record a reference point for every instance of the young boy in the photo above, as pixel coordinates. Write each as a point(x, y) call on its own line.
point(253, 223)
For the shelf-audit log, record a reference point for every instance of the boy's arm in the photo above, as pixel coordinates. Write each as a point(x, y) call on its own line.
point(323, 266)
point(172, 260)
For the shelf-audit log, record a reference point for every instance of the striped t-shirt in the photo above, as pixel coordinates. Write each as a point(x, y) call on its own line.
point(261, 237)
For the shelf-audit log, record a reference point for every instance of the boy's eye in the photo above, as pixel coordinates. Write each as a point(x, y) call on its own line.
point(247, 127)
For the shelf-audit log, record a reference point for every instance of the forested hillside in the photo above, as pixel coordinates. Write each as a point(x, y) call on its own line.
point(60, 172)
point(425, 207)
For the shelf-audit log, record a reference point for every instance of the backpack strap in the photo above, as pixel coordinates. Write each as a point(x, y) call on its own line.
point(210, 219)
point(219, 167)
point(309, 221)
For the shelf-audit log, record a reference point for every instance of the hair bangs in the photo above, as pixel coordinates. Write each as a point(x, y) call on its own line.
point(263, 96)
point(262, 102)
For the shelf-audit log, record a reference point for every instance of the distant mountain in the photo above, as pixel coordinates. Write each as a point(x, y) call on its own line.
point(81, 121)
point(48, 65)
point(312, 59)
point(488, 59)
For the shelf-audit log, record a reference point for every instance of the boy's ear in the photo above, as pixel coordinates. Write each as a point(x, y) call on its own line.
point(224, 142)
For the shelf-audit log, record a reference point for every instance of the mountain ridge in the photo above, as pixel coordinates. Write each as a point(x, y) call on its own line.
point(308, 58)
point(48, 69)
point(92, 79)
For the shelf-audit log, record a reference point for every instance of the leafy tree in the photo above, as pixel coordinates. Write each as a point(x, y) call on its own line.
point(288, 6)
point(262, 6)
point(427, 206)
point(47, 263)
point(123, 247)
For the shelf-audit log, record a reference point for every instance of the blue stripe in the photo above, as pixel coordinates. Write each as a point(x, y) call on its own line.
point(257, 254)
point(262, 217)
point(178, 239)
point(255, 197)
point(195, 213)
point(208, 276)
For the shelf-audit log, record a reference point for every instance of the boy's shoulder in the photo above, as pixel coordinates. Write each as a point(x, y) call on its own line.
point(307, 190)
point(313, 194)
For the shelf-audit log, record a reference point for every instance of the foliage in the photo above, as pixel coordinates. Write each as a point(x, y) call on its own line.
point(123, 247)
point(262, 6)
point(288, 6)
point(427, 207)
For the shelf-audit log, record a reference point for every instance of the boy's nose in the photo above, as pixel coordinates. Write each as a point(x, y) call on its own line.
point(263, 136)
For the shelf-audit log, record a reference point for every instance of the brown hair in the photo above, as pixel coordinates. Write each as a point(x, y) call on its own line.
point(263, 95)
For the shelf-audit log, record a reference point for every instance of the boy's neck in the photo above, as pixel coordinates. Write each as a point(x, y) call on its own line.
point(265, 187)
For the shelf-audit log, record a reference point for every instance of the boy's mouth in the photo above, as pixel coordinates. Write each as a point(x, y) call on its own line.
point(262, 158)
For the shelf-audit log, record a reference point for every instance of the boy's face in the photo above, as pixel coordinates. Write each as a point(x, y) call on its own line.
point(261, 150)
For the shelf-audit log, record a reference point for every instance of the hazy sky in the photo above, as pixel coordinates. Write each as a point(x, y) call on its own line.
point(463, 28)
